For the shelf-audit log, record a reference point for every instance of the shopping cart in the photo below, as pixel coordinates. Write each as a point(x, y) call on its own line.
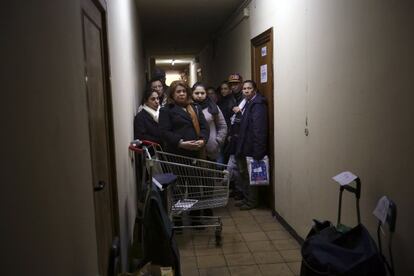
point(199, 185)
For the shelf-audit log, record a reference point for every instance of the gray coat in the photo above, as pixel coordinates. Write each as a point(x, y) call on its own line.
point(218, 133)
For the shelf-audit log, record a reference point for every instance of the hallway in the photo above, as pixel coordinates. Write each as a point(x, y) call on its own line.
point(339, 80)
point(254, 243)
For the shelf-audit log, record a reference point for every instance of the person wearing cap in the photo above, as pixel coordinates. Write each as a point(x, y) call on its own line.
point(235, 81)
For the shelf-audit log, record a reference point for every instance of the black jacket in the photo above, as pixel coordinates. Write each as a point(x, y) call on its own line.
point(226, 105)
point(176, 124)
point(159, 244)
point(145, 128)
point(252, 140)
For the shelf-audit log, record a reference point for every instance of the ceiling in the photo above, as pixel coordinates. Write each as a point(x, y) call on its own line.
point(182, 26)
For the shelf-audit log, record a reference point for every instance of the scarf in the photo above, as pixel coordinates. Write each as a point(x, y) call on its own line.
point(241, 106)
point(194, 119)
point(212, 106)
point(154, 113)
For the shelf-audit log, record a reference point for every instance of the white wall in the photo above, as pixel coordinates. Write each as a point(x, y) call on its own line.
point(128, 79)
point(348, 67)
point(47, 212)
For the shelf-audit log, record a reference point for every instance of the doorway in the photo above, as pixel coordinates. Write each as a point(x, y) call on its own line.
point(262, 73)
point(100, 130)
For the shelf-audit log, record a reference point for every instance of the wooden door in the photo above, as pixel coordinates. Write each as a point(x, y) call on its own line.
point(262, 74)
point(97, 90)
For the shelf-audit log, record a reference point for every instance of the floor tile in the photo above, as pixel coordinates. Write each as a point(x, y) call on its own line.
point(202, 239)
point(260, 212)
point(278, 235)
point(280, 269)
point(265, 219)
point(271, 257)
point(231, 237)
point(190, 272)
point(239, 214)
point(231, 248)
point(295, 267)
point(211, 261)
point(214, 271)
point(248, 228)
point(187, 252)
point(230, 229)
point(286, 244)
point(188, 263)
point(260, 246)
point(251, 270)
point(244, 220)
point(227, 221)
point(269, 226)
point(254, 236)
point(292, 255)
point(239, 259)
point(207, 250)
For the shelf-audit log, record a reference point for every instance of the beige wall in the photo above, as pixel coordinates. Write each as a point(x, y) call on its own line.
point(347, 66)
point(128, 80)
point(47, 211)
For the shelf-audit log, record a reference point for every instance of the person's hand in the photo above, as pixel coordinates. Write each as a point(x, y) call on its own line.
point(236, 109)
point(200, 143)
point(189, 145)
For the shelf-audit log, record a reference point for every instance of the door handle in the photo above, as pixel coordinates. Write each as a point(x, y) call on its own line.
point(100, 186)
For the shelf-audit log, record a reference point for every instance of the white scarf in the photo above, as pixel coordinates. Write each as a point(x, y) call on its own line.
point(154, 113)
point(241, 106)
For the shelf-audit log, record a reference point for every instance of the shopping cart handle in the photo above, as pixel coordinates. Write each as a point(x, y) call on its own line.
point(149, 143)
point(135, 148)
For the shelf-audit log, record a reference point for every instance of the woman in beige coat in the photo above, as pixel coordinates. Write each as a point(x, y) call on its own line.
point(215, 121)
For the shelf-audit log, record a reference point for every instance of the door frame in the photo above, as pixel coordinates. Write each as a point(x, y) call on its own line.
point(264, 37)
point(102, 7)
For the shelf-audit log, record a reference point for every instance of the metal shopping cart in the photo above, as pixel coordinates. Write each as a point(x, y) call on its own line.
point(199, 185)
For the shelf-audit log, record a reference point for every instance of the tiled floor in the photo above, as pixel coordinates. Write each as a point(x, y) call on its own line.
point(254, 243)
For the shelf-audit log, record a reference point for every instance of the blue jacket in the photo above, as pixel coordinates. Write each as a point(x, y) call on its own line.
point(253, 130)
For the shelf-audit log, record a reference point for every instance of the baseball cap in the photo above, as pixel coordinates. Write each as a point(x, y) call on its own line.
point(235, 78)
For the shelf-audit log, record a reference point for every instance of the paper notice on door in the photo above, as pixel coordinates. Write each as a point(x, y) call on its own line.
point(263, 73)
point(264, 51)
point(344, 178)
point(381, 211)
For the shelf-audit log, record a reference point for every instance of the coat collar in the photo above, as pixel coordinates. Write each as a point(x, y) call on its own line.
point(180, 111)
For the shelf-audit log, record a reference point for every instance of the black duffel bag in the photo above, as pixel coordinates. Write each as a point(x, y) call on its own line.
point(330, 252)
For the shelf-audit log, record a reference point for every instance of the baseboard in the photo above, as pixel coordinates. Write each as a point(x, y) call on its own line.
point(287, 227)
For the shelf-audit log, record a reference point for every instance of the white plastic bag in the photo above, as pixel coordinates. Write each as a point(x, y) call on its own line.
point(258, 171)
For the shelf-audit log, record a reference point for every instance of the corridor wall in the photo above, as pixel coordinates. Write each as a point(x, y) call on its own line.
point(47, 212)
point(345, 67)
point(127, 80)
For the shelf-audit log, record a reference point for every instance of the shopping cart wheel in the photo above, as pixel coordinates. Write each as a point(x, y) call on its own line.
point(218, 237)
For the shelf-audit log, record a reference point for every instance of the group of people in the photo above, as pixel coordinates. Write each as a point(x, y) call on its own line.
point(224, 125)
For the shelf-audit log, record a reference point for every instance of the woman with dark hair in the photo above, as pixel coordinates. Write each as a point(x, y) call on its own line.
point(156, 84)
point(183, 126)
point(252, 140)
point(146, 121)
point(212, 94)
point(215, 121)
point(226, 101)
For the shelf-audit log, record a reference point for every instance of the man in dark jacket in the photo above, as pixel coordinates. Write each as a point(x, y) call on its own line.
point(252, 140)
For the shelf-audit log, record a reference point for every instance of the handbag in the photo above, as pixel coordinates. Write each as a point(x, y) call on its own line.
point(258, 171)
